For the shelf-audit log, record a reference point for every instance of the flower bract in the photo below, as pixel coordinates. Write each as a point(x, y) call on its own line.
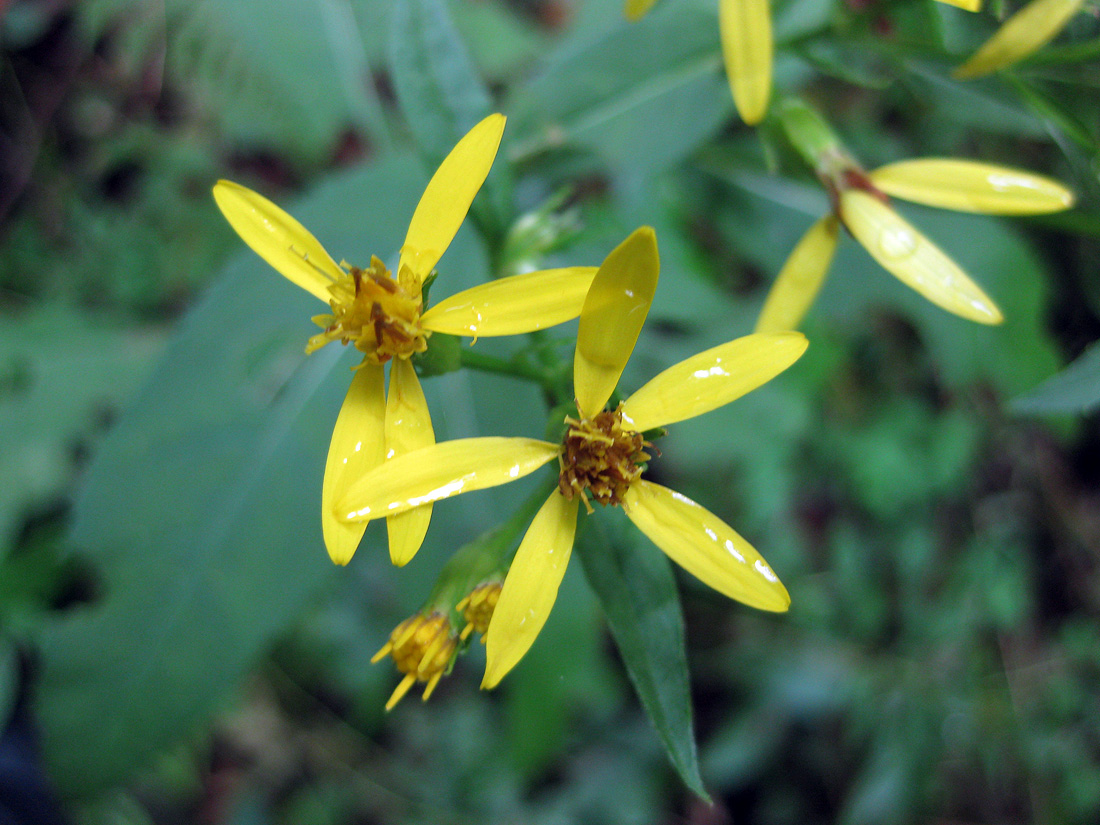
point(382, 314)
point(601, 460)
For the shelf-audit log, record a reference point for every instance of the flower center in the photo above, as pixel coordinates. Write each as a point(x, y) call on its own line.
point(601, 459)
point(377, 313)
point(422, 648)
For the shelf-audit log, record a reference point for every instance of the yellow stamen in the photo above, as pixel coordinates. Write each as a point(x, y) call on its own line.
point(378, 314)
point(600, 459)
point(422, 648)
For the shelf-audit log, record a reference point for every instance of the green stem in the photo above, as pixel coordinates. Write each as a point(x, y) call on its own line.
point(490, 363)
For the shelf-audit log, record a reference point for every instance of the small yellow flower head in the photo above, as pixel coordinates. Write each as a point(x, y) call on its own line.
point(1028, 30)
point(477, 608)
point(380, 315)
point(600, 458)
point(422, 648)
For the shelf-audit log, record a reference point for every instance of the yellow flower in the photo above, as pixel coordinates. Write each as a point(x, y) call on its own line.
point(384, 317)
point(862, 207)
point(601, 459)
point(477, 608)
point(967, 5)
point(1029, 29)
point(423, 647)
point(745, 28)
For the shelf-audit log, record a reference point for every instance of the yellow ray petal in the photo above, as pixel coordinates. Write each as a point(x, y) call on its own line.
point(448, 196)
point(357, 446)
point(637, 9)
point(746, 29)
point(408, 428)
point(277, 238)
point(705, 546)
point(966, 5)
point(509, 306)
point(711, 379)
point(531, 587)
point(800, 279)
point(612, 318)
point(913, 259)
point(441, 471)
point(967, 186)
point(1032, 27)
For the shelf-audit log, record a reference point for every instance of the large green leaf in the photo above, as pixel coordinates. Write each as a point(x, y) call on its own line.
point(637, 589)
point(438, 89)
point(200, 513)
point(642, 95)
point(1075, 390)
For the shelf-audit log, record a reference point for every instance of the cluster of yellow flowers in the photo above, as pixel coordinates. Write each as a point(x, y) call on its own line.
point(384, 462)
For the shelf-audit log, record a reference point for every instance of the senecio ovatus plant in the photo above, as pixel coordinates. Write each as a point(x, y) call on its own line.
point(384, 462)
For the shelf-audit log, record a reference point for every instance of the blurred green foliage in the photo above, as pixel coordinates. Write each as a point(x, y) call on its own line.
point(163, 437)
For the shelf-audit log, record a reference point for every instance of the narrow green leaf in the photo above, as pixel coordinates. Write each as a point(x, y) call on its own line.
point(200, 514)
point(1074, 391)
point(637, 589)
point(439, 90)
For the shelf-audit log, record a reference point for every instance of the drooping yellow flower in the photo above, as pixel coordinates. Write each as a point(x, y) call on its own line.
point(601, 458)
point(477, 608)
point(384, 318)
point(862, 206)
point(423, 647)
point(1028, 30)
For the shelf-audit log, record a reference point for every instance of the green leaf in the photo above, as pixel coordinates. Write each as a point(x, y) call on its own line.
point(200, 512)
point(643, 95)
point(637, 589)
point(53, 395)
point(9, 679)
point(438, 88)
point(1075, 390)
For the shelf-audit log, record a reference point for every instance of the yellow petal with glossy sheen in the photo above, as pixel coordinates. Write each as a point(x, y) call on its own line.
point(913, 259)
point(967, 5)
point(746, 29)
point(447, 199)
point(800, 279)
point(968, 186)
point(277, 238)
point(531, 587)
point(705, 546)
point(408, 428)
point(711, 379)
point(509, 306)
point(637, 9)
point(1032, 27)
point(357, 446)
point(612, 317)
point(441, 471)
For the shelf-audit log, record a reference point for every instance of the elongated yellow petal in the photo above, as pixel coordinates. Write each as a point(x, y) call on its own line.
point(635, 10)
point(441, 471)
point(357, 446)
point(531, 587)
point(705, 546)
point(509, 306)
point(711, 379)
point(968, 186)
point(967, 5)
point(612, 317)
point(447, 199)
point(408, 428)
point(1032, 27)
point(277, 238)
point(746, 29)
point(913, 259)
point(800, 279)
